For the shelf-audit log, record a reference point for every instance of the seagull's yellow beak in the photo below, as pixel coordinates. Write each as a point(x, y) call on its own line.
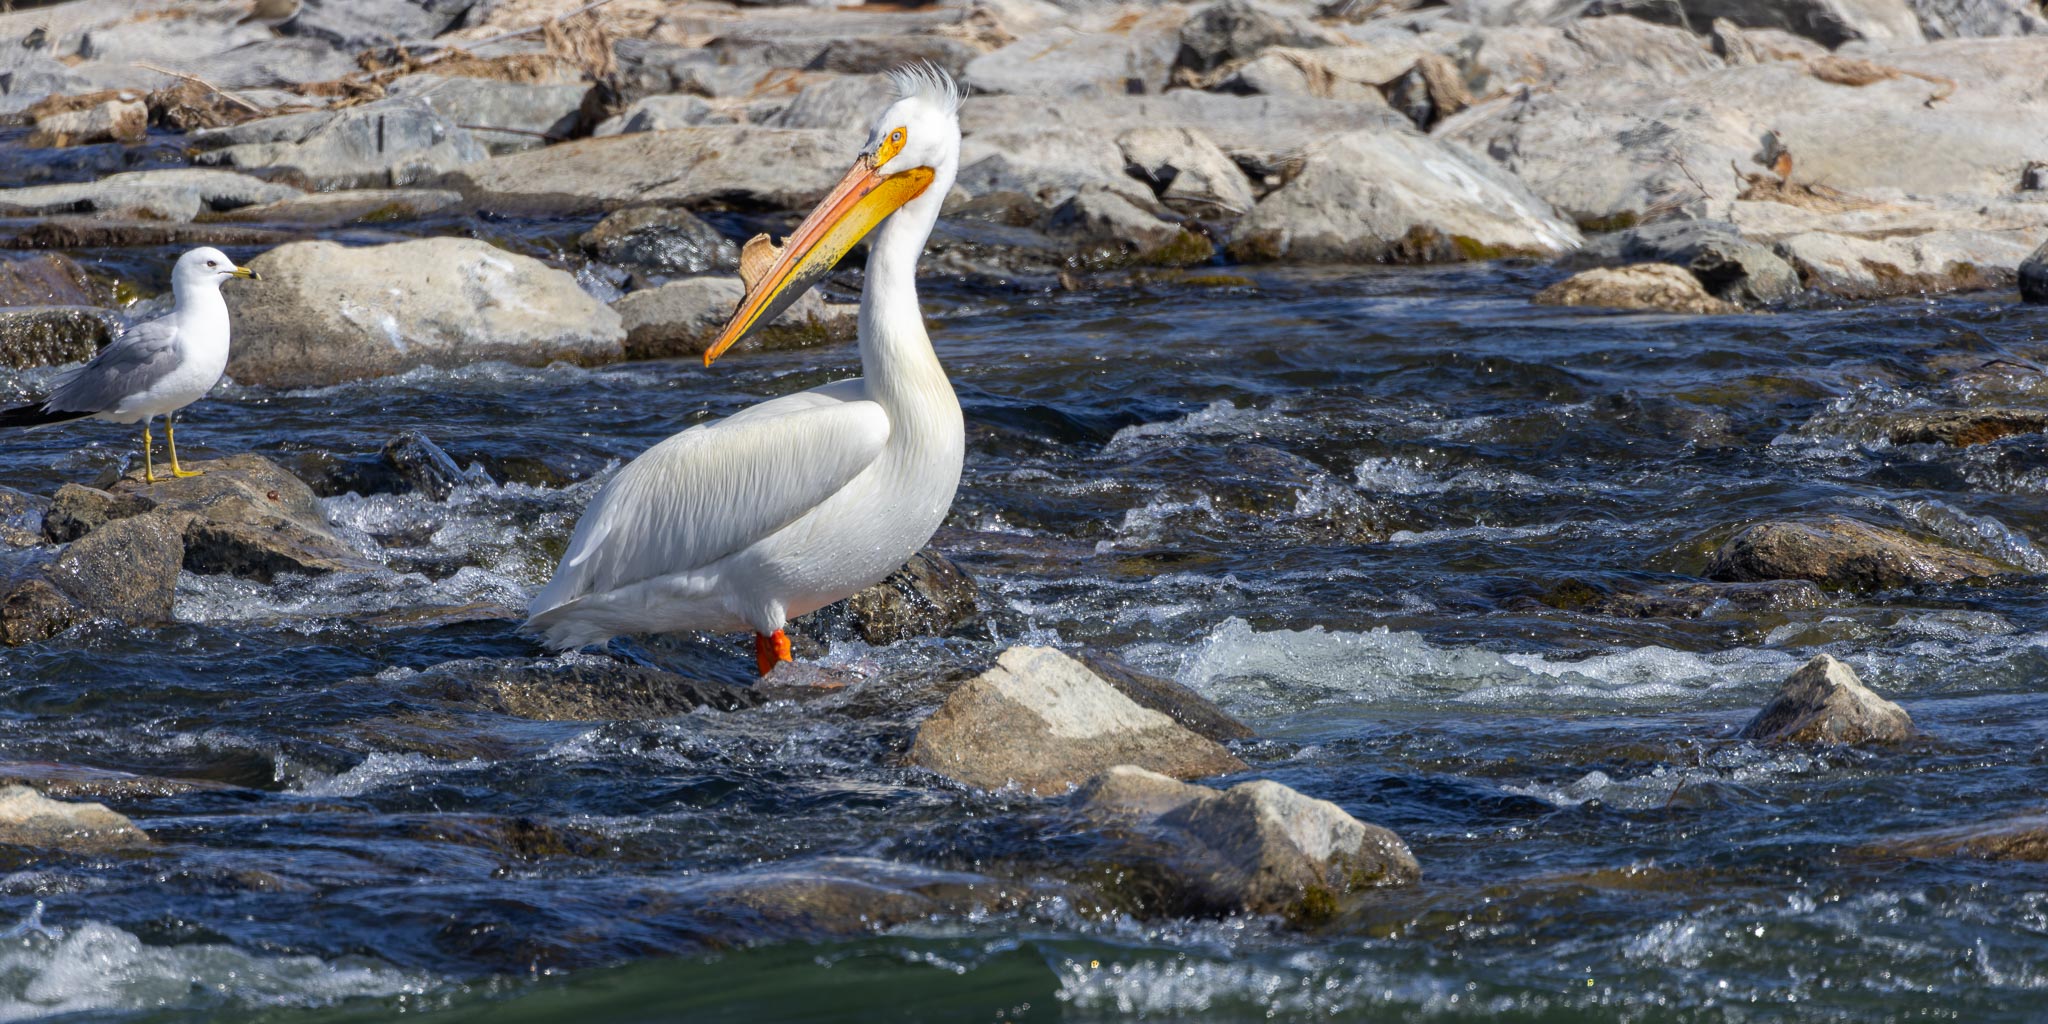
point(244, 272)
point(775, 276)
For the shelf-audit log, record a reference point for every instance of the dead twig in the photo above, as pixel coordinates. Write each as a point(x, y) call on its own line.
point(202, 83)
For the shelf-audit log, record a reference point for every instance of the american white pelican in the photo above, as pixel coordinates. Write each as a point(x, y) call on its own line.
point(153, 369)
point(795, 503)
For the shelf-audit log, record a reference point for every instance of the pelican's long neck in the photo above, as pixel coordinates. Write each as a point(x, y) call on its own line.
point(895, 352)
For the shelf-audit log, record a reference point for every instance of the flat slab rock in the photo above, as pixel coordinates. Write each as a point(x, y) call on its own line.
point(2023, 838)
point(1840, 553)
point(1043, 722)
point(1824, 703)
point(578, 688)
point(1965, 427)
point(28, 818)
point(1258, 847)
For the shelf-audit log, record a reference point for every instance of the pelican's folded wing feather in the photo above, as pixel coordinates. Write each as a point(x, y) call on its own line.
point(713, 490)
point(141, 357)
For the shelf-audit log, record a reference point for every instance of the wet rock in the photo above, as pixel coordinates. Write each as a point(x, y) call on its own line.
point(1840, 553)
point(178, 194)
point(1232, 30)
point(785, 168)
point(2024, 838)
point(326, 313)
point(1728, 265)
point(52, 335)
point(1965, 427)
point(76, 510)
point(681, 318)
point(391, 142)
point(1041, 721)
point(1401, 196)
point(577, 688)
point(505, 116)
point(1939, 261)
point(358, 206)
point(1658, 286)
point(929, 596)
point(1199, 714)
point(124, 120)
point(662, 239)
point(78, 782)
point(1694, 600)
point(45, 279)
point(32, 609)
point(126, 570)
point(130, 233)
point(422, 466)
point(1187, 171)
point(1258, 847)
point(1824, 703)
point(1113, 231)
point(27, 818)
point(244, 516)
point(21, 518)
point(2033, 275)
point(846, 895)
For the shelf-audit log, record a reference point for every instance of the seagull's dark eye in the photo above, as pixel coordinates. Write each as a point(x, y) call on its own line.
point(211, 263)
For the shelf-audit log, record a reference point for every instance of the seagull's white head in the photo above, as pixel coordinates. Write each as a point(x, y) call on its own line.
point(205, 267)
point(908, 164)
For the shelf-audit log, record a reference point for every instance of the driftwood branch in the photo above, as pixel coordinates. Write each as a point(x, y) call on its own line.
point(202, 83)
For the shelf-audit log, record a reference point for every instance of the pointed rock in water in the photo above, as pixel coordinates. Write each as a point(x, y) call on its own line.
point(1041, 721)
point(52, 335)
point(1167, 697)
point(1840, 553)
point(662, 239)
point(28, 818)
point(421, 463)
point(1824, 703)
point(246, 516)
point(2033, 276)
point(1258, 847)
point(126, 570)
point(32, 609)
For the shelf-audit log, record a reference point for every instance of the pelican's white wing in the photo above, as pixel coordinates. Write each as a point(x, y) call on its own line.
point(716, 488)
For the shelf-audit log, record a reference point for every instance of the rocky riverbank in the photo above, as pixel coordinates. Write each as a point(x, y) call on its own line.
point(1875, 149)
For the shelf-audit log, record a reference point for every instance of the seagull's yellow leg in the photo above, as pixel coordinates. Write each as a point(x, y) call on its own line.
point(171, 440)
point(148, 471)
point(770, 651)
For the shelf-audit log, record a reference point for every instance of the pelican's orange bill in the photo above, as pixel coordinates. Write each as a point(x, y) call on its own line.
point(775, 276)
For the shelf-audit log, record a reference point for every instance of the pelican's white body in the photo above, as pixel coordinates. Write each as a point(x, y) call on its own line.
point(793, 504)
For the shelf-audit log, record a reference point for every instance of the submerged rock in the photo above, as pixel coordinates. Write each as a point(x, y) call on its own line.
point(326, 313)
point(1658, 286)
point(2023, 838)
point(1842, 553)
point(1825, 703)
point(1041, 721)
point(79, 782)
point(28, 818)
point(422, 466)
point(1258, 847)
point(577, 688)
point(1965, 427)
point(52, 335)
point(2033, 276)
point(126, 570)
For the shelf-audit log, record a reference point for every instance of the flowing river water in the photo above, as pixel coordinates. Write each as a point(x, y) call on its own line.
point(1359, 508)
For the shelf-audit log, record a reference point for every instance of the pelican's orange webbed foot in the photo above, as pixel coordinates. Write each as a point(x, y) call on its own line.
point(771, 650)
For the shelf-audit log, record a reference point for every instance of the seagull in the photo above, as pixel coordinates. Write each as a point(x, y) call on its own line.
point(790, 505)
point(154, 368)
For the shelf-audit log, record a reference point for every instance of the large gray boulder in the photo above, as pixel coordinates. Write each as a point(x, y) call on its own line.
point(1728, 265)
point(324, 313)
point(1258, 847)
point(1937, 261)
point(660, 239)
point(785, 168)
point(177, 194)
point(1065, 60)
point(1824, 703)
point(1232, 30)
point(505, 116)
point(1187, 171)
point(392, 142)
point(1617, 151)
point(1043, 722)
point(681, 319)
point(1398, 194)
point(1652, 286)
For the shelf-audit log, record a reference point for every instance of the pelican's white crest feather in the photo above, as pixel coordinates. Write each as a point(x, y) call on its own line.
point(923, 80)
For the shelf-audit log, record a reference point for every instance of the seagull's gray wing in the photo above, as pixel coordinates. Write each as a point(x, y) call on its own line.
point(140, 357)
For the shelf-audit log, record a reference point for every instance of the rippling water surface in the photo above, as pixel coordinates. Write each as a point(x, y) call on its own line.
point(1359, 509)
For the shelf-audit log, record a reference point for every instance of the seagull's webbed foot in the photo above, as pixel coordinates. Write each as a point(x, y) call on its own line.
point(171, 441)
